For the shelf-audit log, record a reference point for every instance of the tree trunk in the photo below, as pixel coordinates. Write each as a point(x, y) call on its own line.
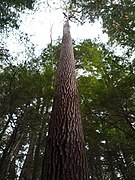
point(65, 157)
point(9, 152)
point(36, 164)
point(5, 127)
point(26, 172)
point(12, 174)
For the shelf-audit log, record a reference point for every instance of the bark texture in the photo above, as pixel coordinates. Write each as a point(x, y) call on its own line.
point(65, 152)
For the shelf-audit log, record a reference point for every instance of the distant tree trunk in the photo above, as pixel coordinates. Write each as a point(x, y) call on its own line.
point(12, 174)
point(111, 163)
point(5, 126)
point(9, 152)
point(26, 172)
point(36, 164)
point(65, 157)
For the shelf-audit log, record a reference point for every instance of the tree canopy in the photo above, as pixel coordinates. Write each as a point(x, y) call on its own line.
point(117, 18)
point(10, 12)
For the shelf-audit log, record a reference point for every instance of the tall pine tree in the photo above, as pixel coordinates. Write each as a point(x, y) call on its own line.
point(65, 157)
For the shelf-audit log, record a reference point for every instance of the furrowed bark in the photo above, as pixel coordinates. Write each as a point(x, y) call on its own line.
point(65, 157)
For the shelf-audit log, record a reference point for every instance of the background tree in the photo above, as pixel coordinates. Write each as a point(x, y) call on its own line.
point(24, 107)
point(106, 97)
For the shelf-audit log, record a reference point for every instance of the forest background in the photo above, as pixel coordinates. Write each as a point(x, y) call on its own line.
point(106, 83)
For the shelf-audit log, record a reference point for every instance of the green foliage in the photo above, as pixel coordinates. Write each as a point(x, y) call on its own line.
point(10, 12)
point(106, 84)
point(117, 18)
point(26, 92)
point(108, 114)
point(118, 22)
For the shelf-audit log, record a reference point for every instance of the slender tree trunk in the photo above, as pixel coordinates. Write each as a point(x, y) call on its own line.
point(26, 172)
point(36, 164)
point(12, 174)
point(10, 151)
point(5, 127)
point(65, 157)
